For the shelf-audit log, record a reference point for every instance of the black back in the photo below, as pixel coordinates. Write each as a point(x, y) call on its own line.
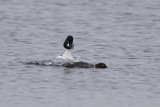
point(79, 65)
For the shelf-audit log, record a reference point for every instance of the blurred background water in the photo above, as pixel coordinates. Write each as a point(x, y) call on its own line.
point(124, 34)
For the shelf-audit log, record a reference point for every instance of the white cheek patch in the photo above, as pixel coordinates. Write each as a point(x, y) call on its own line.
point(68, 45)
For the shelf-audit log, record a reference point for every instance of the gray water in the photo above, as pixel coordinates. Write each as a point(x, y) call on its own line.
point(124, 34)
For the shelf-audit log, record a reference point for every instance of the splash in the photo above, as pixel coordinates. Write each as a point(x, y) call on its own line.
point(55, 61)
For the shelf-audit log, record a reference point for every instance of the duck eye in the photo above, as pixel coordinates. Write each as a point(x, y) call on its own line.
point(67, 43)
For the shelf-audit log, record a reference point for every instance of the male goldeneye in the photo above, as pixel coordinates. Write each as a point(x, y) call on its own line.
point(68, 45)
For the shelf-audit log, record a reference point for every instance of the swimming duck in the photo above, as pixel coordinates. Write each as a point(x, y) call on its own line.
point(68, 45)
point(84, 65)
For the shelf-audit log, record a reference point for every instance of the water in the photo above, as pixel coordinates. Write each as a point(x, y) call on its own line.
point(124, 34)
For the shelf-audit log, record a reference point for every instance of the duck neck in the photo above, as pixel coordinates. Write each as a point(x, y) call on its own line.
point(67, 55)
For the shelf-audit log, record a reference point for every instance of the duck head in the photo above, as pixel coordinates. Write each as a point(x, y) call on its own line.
point(101, 65)
point(68, 43)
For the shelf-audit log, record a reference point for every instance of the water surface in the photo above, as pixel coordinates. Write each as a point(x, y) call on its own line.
point(123, 34)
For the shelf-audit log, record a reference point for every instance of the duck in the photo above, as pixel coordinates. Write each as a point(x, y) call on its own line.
point(70, 63)
point(84, 65)
point(68, 45)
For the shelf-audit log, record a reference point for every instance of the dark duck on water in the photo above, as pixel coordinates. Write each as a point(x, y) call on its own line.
point(84, 65)
point(70, 62)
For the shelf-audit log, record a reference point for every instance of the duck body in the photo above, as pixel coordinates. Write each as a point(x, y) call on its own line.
point(67, 64)
point(84, 65)
point(78, 65)
point(66, 59)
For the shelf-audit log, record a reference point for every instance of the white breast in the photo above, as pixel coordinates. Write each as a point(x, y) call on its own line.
point(67, 55)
